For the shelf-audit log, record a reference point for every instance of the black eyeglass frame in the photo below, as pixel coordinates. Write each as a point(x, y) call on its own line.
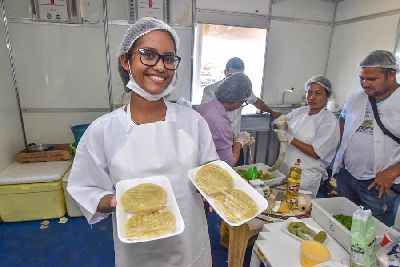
point(143, 51)
point(244, 104)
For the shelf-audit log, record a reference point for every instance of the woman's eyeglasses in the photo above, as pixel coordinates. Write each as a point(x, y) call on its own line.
point(150, 58)
point(244, 104)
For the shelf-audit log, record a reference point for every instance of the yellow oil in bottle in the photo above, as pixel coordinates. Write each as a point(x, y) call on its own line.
point(294, 177)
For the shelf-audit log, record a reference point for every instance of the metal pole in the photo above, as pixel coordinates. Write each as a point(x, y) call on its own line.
point(12, 67)
point(106, 40)
point(331, 38)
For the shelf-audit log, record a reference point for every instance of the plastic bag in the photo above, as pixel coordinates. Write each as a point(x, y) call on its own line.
point(363, 238)
point(389, 255)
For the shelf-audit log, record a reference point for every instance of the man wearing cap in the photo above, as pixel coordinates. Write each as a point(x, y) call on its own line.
point(231, 94)
point(368, 160)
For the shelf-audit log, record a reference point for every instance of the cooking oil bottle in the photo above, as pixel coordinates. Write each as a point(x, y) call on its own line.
point(293, 184)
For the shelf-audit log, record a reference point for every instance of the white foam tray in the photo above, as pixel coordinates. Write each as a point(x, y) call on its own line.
point(292, 219)
point(280, 178)
point(238, 183)
point(122, 215)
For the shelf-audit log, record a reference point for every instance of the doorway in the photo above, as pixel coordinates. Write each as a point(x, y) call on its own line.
point(214, 45)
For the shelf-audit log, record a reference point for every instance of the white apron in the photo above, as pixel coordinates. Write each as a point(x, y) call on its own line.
point(161, 148)
point(303, 128)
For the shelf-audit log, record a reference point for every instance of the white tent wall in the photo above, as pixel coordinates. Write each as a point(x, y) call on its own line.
point(62, 74)
point(298, 44)
point(11, 137)
point(355, 37)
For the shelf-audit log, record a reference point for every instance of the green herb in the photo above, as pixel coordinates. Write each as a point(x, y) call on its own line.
point(344, 219)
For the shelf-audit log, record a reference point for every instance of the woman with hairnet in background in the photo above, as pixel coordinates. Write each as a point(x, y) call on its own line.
point(149, 136)
point(313, 135)
point(231, 93)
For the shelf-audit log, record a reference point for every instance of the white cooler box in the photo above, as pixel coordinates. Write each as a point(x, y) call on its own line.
point(73, 209)
point(323, 210)
point(32, 191)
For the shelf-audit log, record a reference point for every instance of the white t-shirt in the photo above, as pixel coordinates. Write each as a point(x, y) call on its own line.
point(362, 145)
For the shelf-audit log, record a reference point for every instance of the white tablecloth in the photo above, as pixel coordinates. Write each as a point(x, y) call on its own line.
point(282, 250)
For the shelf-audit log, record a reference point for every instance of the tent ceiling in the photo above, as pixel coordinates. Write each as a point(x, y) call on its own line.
point(334, 1)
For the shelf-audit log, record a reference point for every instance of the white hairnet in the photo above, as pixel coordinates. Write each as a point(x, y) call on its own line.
point(140, 28)
point(380, 58)
point(321, 80)
point(234, 88)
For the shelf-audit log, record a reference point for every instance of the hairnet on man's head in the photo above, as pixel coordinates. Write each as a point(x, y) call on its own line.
point(235, 63)
point(321, 80)
point(234, 88)
point(380, 58)
point(140, 28)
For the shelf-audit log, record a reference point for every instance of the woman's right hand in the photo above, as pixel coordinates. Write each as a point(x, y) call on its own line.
point(113, 202)
point(107, 204)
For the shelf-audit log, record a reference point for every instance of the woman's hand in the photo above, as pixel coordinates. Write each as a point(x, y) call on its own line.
point(244, 138)
point(107, 204)
point(284, 136)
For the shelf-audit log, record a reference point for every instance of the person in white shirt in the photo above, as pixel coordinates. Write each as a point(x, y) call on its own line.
point(235, 65)
point(313, 135)
point(367, 164)
point(149, 136)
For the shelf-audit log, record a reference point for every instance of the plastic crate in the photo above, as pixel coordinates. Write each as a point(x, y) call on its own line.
point(323, 210)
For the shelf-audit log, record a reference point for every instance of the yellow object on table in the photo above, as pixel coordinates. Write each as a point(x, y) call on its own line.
point(313, 253)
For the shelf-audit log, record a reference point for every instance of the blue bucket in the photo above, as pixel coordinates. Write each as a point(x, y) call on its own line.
point(78, 131)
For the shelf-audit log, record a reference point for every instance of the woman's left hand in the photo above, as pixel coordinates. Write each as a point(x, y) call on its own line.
point(284, 136)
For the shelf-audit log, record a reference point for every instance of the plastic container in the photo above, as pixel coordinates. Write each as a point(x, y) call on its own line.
point(313, 253)
point(73, 209)
point(279, 178)
point(78, 131)
point(323, 210)
point(32, 191)
point(293, 184)
point(73, 147)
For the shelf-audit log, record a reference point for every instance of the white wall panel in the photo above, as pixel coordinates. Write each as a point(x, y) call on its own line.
point(60, 66)
point(351, 43)
point(304, 9)
point(249, 6)
point(17, 8)
point(181, 12)
point(54, 128)
point(356, 8)
point(183, 85)
point(295, 53)
point(11, 137)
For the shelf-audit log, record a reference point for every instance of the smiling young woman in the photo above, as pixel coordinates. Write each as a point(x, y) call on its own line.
point(146, 138)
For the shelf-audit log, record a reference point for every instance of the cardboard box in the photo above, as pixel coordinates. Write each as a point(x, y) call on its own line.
point(73, 209)
point(56, 153)
point(323, 210)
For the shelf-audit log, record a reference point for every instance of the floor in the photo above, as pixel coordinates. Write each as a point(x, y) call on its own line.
point(75, 243)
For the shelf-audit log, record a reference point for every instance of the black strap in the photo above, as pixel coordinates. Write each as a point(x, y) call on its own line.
point(385, 131)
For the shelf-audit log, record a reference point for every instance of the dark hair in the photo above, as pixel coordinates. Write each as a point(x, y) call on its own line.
point(234, 63)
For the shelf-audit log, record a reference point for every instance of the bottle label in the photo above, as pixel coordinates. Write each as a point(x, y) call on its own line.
point(292, 187)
